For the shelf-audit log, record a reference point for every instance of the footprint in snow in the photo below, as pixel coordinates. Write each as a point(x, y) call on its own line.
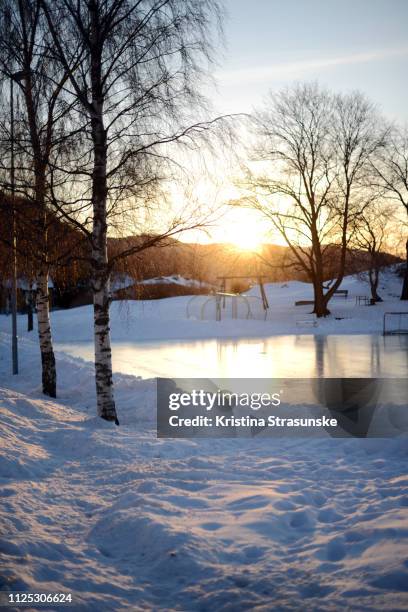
point(249, 503)
point(329, 515)
point(211, 526)
point(300, 519)
point(335, 550)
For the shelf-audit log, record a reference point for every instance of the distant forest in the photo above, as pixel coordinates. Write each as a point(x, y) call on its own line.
point(205, 263)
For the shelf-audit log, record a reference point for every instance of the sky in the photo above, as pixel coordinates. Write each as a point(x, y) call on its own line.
point(343, 44)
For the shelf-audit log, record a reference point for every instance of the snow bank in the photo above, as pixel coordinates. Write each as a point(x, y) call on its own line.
point(125, 521)
point(176, 279)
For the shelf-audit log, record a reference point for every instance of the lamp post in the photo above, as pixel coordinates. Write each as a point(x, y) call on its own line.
point(16, 76)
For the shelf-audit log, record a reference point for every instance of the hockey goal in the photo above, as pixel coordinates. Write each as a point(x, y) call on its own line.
point(395, 323)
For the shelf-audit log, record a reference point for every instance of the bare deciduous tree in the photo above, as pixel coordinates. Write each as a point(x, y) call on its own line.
point(309, 175)
point(136, 76)
point(25, 51)
point(373, 228)
point(391, 168)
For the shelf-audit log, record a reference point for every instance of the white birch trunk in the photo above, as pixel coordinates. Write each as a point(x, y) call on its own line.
point(103, 354)
point(100, 281)
point(49, 374)
point(100, 265)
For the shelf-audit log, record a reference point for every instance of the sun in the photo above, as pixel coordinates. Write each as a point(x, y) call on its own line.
point(245, 240)
point(245, 231)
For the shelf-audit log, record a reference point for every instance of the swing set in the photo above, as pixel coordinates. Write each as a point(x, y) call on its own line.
point(224, 294)
point(222, 300)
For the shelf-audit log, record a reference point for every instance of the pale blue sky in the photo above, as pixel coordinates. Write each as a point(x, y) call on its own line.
point(344, 44)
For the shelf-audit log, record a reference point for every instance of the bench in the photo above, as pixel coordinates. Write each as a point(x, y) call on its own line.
point(304, 302)
point(342, 293)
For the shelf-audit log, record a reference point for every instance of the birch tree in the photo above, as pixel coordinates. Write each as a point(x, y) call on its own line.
point(136, 80)
point(25, 50)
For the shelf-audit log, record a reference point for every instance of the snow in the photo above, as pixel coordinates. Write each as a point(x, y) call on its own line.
point(121, 281)
point(176, 279)
point(25, 284)
point(124, 520)
point(166, 319)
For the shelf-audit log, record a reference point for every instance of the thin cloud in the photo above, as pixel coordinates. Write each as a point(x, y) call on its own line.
point(261, 73)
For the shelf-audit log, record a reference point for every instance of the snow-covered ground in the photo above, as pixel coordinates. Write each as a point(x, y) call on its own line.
point(167, 318)
point(124, 520)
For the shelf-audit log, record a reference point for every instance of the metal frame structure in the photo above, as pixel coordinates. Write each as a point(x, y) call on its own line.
point(219, 298)
point(223, 288)
point(398, 331)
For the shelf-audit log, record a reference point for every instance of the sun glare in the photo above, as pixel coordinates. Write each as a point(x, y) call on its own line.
point(244, 230)
point(245, 240)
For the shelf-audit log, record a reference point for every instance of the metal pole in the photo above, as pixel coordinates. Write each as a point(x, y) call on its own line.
point(14, 347)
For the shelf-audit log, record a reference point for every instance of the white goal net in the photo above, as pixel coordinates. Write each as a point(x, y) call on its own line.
point(395, 323)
